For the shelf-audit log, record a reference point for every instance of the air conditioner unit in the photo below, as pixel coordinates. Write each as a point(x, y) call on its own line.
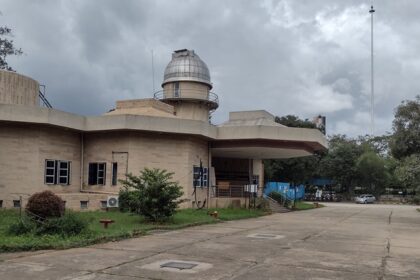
point(112, 201)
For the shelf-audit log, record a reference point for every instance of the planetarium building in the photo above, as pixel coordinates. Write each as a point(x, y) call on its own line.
point(82, 158)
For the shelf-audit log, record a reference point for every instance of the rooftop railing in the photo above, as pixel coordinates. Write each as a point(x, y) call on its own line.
point(188, 94)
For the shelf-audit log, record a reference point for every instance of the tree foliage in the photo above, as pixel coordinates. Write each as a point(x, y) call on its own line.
point(406, 138)
point(294, 170)
point(372, 173)
point(7, 48)
point(294, 121)
point(339, 164)
point(408, 172)
point(151, 194)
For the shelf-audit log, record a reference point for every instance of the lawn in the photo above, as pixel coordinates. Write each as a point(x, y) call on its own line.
point(126, 225)
point(301, 205)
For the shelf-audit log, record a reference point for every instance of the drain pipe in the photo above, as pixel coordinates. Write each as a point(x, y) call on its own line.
point(82, 148)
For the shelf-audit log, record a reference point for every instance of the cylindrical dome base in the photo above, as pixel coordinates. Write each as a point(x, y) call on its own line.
point(18, 89)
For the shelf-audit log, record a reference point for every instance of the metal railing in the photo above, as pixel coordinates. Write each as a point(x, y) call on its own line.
point(187, 94)
point(230, 191)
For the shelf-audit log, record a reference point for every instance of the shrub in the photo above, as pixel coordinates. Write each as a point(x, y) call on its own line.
point(152, 194)
point(127, 200)
point(67, 225)
point(44, 205)
point(23, 226)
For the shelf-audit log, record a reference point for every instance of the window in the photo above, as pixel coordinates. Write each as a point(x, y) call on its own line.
point(104, 204)
point(200, 179)
point(176, 89)
point(97, 171)
point(114, 173)
point(57, 172)
point(1, 203)
point(84, 204)
point(16, 203)
point(50, 171)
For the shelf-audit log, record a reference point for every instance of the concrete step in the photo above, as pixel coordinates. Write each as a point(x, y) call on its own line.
point(275, 207)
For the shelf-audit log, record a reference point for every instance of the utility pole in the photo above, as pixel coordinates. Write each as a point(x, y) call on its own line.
point(372, 84)
point(153, 73)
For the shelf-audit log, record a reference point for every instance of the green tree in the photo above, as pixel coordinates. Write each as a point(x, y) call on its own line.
point(406, 125)
point(7, 47)
point(294, 170)
point(294, 121)
point(339, 163)
point(152, 194)
point(408, 172)
point(372, 173)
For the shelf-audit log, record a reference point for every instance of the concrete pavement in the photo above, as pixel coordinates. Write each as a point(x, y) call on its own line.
point(341, 241)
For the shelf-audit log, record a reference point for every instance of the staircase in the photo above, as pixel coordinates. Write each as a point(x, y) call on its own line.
point(276, 207)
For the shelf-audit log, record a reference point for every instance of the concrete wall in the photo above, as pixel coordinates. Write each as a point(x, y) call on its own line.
point(189, 105)
point(18, 89)
point(23, 151)
point(133, 151)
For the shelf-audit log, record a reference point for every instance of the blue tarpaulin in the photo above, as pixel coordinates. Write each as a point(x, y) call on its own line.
point(285, 189)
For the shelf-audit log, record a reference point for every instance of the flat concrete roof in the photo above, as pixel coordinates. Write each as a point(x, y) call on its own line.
point(242, 134)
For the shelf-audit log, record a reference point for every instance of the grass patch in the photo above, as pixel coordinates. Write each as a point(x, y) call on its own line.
point(126, 225)
point(301, 205)
point(418, 209)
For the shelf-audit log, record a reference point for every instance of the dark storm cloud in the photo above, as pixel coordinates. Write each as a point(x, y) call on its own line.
point(289, 57)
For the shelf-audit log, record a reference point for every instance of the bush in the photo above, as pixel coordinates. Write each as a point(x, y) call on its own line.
point(127, 200)
point(44, 205)
point(151, 194)
point(23, 226)
point(416, 200)
point(67, 225)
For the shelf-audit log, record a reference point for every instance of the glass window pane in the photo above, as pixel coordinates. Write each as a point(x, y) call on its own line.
point(49, 179)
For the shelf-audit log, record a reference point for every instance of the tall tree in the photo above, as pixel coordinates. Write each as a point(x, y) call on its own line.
point(340, 162)
point(372, 172)
point(7, 48)
point(406, 138)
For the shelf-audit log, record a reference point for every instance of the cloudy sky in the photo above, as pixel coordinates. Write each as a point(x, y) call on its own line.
point(301, 57)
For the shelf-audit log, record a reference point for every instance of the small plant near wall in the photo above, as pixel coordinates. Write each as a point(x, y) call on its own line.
point(151, 194)
point(44, 205)
point(45, 215)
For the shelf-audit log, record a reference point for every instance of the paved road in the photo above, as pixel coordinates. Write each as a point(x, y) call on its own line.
point(341, 241)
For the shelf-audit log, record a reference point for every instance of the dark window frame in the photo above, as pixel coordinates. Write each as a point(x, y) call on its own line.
point(84, 204)
point(114, 169)
point(97, 173)
point(53, 171)
point(16, 203)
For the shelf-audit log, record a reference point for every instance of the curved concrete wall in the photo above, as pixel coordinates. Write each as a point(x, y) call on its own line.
point(18, 89)
point(188, 105)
